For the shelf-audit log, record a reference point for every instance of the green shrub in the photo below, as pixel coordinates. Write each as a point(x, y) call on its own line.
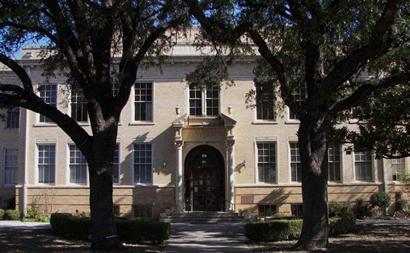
point(401, 205)
point(291, 229)
point(1, 214)
point(336, 208)
point(33, 213)
point(343, 224)
point(12, 214)
point(362, 209)
point(130, 231)
point(380, 199)
point(273, 230)
point(136, 231)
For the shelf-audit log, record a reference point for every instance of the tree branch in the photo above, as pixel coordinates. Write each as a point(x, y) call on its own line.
point(364, 90)
point(19, 71)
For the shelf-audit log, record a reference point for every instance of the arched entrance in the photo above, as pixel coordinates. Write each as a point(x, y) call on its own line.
point(204, 179)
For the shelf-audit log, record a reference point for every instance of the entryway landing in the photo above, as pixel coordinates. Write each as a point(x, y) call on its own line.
point(204, 217)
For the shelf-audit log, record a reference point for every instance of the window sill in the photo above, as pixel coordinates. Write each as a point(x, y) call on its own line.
point(83, 123)
point(264, 122)
point(266, 184)
point(292, 122)
point(334, 183)
point(40, 124)
point(144, 185)
point(142, 123)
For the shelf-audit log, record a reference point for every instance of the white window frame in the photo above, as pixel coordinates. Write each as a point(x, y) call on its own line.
point(133, 176)
point(340, 164)
point(143, 122)
point(203, 103)
point(69, 112)
point(372, 171)
point(38, 116)
point(257, 161)
point(299, 101)
point(36, 174)
point(263, 121)
point(15, 172)
point(394, 170)
point(68, 171)
point(119, 165)
point(7, 118)
point(290, 163)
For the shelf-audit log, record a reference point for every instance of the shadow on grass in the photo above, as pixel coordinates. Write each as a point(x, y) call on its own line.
point(41, 240)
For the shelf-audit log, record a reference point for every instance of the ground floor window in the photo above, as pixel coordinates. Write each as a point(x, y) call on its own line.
point(46, 163)
point(295, 164)
point(265, 210)
point(143, 163)
point(397, 165)
point(267, 162)
point(296, 210)
point(363, 165)
point(78, 166)
point(333, 158)
point(10, 166)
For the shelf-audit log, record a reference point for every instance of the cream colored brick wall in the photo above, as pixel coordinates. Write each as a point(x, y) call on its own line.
point(170, 91)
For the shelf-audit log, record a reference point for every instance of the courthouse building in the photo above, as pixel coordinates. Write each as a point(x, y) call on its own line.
point(179, 148)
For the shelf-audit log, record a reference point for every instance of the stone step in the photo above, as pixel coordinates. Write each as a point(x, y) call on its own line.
point(203, 217)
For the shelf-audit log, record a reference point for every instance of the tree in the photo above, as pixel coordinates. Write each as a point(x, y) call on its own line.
point(316, 52)
point(388, 136)
point(101, 44)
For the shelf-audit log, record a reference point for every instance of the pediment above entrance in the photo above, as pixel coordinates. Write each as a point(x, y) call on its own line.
point(186, 121)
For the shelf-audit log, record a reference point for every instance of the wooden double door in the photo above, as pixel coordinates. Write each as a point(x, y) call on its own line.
point(204, 181)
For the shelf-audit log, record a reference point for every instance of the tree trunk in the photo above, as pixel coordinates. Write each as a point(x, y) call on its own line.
point(313, 152)
point(103, 227)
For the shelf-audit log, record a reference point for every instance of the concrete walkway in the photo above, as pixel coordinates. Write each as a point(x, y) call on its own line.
point(221, 237)
point(14, 224)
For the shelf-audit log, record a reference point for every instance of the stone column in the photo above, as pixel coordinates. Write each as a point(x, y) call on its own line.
point(179, 176)
point(229, 175)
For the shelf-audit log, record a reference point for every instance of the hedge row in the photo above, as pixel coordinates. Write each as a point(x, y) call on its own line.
point(129, 231)
point(280, 230)
point(9, 214)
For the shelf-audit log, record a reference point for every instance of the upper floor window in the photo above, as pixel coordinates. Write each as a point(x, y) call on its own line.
point(397, 165)
point(143, 102)
point(143, 163)
point(78, 166)
point(266, 162)
point(203, 101)
point(299, 95)
point(78, 106)
point(116, 165)
point(333, 162)
point(48, 92)
point(13, 118)
point(295, 164)
point(46, 163)
point(10, 166)
point(265, 101)
point(363, 165)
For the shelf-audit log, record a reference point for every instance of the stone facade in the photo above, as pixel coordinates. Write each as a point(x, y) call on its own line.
point(235, 132)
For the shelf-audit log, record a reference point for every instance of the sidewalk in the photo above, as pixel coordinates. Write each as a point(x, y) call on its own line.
point(14, 224)
point(221, 237)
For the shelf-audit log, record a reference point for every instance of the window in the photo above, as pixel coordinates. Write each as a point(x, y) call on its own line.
point(46, 163)
point(266, 210)
point(397, 165)
point(48, 93)
point(78, 166)
point(142, 211)
point(10, 166)
point(13, 118)
point(299, 95)
point(143, 163)
point(116, 165)
point(266, 162)
point(143, 102)
point(203, 101)
point(296, 210)
point(116, 210)
point(363, 165)
point(78, 106)
point(265, 101)
point(295, 164)
point(333, 163)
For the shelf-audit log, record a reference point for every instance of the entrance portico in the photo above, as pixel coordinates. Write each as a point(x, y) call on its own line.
point(204, 178)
